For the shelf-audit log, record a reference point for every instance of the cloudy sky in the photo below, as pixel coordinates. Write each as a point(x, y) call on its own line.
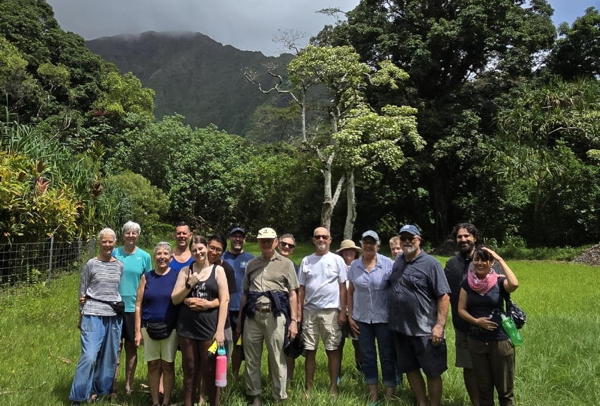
point(245, 24)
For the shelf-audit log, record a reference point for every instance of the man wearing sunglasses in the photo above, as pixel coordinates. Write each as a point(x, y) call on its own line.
point(238, 259)
point(322, 296)
point(418, 306)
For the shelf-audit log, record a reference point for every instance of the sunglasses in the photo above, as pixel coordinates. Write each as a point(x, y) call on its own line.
point(321, 237)
point(407, 237)
point(287, 245)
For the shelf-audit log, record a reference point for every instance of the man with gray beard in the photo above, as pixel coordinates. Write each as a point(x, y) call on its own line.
point(418, 306)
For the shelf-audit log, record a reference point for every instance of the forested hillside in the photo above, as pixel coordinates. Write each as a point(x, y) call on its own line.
point(404, 111)
point(193, 75)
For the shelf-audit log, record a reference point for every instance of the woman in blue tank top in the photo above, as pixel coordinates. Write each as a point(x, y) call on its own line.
point(155, 319)
point(202, 290)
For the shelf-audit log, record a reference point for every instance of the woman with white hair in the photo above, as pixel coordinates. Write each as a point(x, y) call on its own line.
point(135, 261)
point(155, 320)
point(99, 323)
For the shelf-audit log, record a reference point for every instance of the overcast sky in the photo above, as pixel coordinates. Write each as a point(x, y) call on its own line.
point(245, 24)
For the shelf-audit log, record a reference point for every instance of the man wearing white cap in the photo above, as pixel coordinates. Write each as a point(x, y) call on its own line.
point(322, 295)
point(418, 306)
point(269, 306)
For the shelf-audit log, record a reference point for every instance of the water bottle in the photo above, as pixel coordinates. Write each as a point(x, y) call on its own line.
point(221, 368)
point(509, 327)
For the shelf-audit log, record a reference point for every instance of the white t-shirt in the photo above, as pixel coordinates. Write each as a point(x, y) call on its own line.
point(321, 276)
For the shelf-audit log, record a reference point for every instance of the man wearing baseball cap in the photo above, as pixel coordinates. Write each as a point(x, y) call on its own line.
point(269, 306)
point(418, 303)
point(238, 259)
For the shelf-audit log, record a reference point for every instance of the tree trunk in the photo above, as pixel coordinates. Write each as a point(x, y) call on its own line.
point(350, 205)
point(330, 198)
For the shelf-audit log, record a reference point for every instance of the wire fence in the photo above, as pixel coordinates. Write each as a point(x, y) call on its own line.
point(33, 262)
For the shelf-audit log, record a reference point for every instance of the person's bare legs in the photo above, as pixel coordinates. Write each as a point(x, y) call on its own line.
point(168, 380)
point(471, 386)
point(434, 387)
point(333, 365)
point(389, 393)
point(153, 380)
point(130, 364)
point(309, 369)
point(417, 385)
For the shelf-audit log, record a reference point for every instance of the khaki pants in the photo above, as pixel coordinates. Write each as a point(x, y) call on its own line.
point(494, 366)
point(272, 330)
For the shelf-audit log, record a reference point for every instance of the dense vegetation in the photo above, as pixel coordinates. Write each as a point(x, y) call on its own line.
point(472, 110)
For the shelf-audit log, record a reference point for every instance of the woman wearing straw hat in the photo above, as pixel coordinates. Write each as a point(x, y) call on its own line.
point(349, 252)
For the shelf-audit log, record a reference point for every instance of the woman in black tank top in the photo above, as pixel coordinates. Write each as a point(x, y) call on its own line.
point(202, 288)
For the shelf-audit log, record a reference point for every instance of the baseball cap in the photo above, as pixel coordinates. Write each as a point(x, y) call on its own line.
point(411, 229)
point(372, 234)
point(237, 229)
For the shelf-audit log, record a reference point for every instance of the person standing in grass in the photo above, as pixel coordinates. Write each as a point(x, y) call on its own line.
point(182, 256)
point(238, 259)
point(135, 261)
point(99, 324)
point(395, 247)
point(418, 305)
point(155, 319)
point(286, 247)
point(322, 296)
point(349, 252)
point(480, 304)
point(202, 290)
point(269, 306)
point(368, 307)
point(466, 236)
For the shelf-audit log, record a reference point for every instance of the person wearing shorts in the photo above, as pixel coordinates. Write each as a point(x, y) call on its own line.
point(322, 295)
point(135, 261)
point(155, 319)
point(418, 306)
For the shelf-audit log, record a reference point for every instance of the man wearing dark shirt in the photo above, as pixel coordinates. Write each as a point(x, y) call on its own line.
point(466, 236)
point(418, 306)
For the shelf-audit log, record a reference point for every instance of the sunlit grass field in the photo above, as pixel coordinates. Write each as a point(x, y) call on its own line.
point(559, 363)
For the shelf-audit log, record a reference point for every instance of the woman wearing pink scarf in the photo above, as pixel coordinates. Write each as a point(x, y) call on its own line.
point(480, 303)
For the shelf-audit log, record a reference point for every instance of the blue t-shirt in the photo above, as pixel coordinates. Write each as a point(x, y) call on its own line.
point(134, 265)
point(157, 304)
point(238, 262)
point(178, 266)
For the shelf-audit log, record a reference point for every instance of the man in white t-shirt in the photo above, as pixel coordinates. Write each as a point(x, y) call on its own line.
point(322, 293)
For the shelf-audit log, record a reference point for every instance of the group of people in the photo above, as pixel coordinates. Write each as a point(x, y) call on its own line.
point(209, 292)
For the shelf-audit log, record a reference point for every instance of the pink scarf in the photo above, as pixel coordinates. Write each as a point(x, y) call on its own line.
point(481, 286)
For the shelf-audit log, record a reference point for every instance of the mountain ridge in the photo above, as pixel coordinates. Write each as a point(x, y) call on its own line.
point(193, 75)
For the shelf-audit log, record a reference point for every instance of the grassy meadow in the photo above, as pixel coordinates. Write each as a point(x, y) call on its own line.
point(559, 363)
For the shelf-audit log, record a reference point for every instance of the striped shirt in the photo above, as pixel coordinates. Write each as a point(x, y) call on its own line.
point(100, 280)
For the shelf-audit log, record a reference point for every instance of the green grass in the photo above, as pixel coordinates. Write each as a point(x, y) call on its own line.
point(559, 363)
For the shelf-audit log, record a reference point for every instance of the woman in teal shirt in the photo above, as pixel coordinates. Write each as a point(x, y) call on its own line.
point(135, 261)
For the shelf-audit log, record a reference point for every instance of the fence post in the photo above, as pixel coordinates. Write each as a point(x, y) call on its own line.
point(50, 257)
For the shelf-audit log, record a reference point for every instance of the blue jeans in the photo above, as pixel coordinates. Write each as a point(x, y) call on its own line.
point(387, 356)
point(100, 336)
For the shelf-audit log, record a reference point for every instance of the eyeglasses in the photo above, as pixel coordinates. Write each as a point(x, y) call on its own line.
point(321, 237)
point(287, 245)
point(218, 250)
point(407, 237)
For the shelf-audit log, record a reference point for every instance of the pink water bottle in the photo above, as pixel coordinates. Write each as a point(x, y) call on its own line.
point(221, 368)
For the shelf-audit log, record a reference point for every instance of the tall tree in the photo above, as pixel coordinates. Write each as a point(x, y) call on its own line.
point(576, 53)
point(356, 134)
point(460, 55)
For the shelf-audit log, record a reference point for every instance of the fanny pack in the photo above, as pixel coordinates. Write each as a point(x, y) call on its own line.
point(158, 330)
point(118, 307)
